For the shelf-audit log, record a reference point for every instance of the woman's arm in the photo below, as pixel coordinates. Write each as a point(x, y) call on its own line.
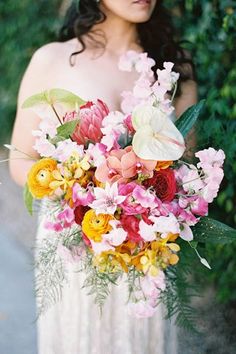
point(35, 80)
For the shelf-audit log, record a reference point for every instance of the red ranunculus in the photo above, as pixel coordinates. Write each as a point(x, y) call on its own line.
point(164, 184)
point(130, 224)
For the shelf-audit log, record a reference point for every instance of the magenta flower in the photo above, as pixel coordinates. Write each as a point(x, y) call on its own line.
point(130, 205)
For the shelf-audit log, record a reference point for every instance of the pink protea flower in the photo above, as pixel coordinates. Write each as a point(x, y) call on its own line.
point(123, 164)
point(91, 116)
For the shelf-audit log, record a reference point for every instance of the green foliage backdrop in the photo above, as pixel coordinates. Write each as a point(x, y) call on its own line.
point(208, 28)
point(24, 26)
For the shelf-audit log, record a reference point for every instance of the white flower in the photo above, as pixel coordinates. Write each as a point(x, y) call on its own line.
point(147, 232)
point(156, 137)
point(107, 200)
point(117, 235)
point(165, 224)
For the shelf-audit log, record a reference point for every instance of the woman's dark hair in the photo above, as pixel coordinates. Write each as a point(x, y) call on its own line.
point(156, 35)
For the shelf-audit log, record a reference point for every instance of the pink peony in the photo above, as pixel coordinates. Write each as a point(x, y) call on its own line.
point(91, 116)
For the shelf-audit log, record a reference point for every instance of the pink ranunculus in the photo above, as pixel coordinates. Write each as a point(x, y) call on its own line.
point(91, 116)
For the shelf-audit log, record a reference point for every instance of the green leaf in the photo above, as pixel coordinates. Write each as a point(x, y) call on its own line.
point(35, 100)
point(213, 231)
point(189, 118)
point(64, 96)
point(64, 131)
point(52, 97)
point(28, 199)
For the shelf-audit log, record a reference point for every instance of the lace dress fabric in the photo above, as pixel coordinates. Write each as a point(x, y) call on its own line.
point(76, 326)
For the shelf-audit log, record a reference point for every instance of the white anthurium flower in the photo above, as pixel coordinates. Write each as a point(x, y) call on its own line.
point(156, 137)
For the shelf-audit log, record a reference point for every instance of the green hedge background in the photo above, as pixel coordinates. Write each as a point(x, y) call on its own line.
point(208, 31)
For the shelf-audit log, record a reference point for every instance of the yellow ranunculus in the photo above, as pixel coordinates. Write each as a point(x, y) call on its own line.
point(94, 226)
point(40, 176)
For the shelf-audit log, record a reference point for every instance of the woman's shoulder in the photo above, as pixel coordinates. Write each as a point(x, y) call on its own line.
point(50, 53)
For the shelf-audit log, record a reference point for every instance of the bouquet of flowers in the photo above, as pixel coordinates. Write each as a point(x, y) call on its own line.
point(122, 200)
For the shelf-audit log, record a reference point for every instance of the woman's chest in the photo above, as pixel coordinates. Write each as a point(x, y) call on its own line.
point(93, 79)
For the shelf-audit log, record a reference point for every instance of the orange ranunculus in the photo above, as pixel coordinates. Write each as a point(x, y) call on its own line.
point(94, 226)
point(40, 176)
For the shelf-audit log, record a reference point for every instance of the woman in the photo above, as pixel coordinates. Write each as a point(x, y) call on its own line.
point(94, 36)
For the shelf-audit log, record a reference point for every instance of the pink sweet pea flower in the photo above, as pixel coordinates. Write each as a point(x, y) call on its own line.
point(197, 204)
point(72, 255)
point(165, 224)
point(210, 158)
point(97, 153)
point(145, 197)
point(103, 246)
point(81, 196)
point(130, 205)
point(129, 102)
point(128, 60)
point(186, 232)
point(144, 63)
point(44, 147)
point(149, 288)
point(141, 309)
point(192, 181)
point(66, 217)
point(53, 226)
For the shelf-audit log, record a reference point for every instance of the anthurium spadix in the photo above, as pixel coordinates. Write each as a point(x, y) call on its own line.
point(156, 136)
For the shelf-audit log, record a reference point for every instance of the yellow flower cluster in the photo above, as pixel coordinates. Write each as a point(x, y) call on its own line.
point(45, 177)
point(154, 256)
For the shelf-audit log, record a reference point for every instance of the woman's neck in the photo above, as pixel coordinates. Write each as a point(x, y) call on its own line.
point(119, 35)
